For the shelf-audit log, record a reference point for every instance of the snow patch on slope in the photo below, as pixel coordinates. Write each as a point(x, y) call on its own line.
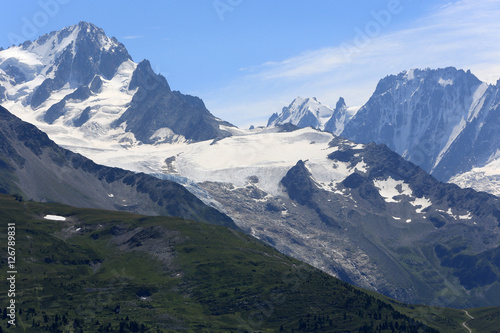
point(45, 50)
point(454, 134)
point(327, 174)
point(421, 204)
point(410, 74)
point(390, 188)
point(445, 83)
point(54, 218)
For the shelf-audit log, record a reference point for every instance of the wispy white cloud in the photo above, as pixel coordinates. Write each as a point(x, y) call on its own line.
point(133, 37)
point(305, 65)
point(462, 33)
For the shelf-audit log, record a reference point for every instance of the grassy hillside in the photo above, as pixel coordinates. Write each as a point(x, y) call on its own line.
point(106, 271)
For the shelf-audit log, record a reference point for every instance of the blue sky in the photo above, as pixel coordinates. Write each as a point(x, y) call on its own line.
point(248, 58)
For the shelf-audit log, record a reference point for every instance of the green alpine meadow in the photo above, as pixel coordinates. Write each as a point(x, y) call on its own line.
point(108, 271)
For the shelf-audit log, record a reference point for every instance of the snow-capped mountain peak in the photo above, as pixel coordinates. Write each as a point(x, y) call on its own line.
point(302, 112)
point(74, 38)
point(80, 78)
point(309, 112)
point(418, 113)
point(68, 58)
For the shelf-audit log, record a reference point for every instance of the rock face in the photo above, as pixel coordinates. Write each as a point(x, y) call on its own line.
point(408, 223)
point(62, 74)
point(433, 118)
point(478, 142)
point(187, 115)
point(34, 166)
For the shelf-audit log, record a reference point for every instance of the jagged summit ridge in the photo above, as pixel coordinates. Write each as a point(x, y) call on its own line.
point(78, 38)
point(302, 112)
point(309, 112)
point(444, 120)
point(74, 56)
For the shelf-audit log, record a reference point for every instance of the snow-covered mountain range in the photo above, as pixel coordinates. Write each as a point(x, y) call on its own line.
point(444, 120)
point(308, 112)
point(79, 85)
point(356, 210)
point(82, 88)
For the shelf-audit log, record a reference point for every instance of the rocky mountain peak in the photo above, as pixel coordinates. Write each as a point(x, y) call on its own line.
point(417, 113)
point(88, 80)
point(340, 104)
point(83, 37)
point(302, 112)
point(74, 55)
point(144, 76)
point(339, 119)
